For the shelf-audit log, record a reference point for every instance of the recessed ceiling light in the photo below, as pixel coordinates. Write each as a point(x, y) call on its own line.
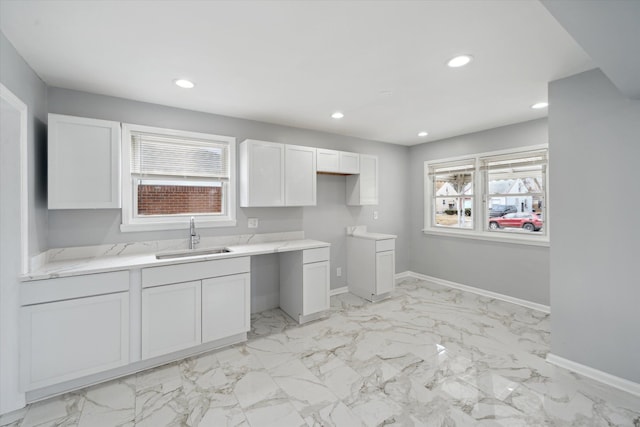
point(423, 133)
point(459, 61)
point(540, 105)
point(185, 84)
point(337, 115)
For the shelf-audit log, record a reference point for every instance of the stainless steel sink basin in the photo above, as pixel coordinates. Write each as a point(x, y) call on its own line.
point(192, 252)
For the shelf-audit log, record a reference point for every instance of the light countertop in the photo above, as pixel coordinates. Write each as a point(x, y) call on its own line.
point(74, 267)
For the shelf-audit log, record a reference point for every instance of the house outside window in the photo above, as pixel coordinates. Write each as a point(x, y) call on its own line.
point(493, 196)
point(169, 176)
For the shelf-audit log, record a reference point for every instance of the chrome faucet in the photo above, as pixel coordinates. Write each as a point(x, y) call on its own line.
point(194, 238)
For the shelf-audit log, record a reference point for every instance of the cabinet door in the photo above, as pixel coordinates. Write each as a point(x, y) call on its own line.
point(385, 271)
point(70, 339)
point(328, 160)
point(349, 162)
point(83, 163)
point(262, 173)
point(315, 287)
point(368, 180)
point(226, 307)
point(300, 176)
point(170, 318)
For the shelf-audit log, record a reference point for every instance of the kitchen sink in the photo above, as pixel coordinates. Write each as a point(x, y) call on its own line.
point(192, 252)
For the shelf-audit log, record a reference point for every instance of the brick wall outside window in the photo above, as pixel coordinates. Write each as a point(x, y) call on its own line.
point(178, 199)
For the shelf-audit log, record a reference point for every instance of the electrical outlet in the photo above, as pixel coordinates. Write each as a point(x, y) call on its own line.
point(339, 271)
point(252, 223)
point(375, 214)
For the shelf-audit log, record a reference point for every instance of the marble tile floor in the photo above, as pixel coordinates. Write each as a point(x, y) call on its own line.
point(427, 356)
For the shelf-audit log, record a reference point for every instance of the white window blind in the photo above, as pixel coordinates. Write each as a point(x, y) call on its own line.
point(173, 156)
point(520, 163)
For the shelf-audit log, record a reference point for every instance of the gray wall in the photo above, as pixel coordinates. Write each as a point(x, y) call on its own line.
point(326, 221)
point(516, 270)
point(595, 290)
point(20, 79)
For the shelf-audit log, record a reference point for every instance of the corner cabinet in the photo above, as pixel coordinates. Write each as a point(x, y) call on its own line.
point(83, 163)
point(371, 266)
point(274, 174)
point(304, 284)
point(362, 189)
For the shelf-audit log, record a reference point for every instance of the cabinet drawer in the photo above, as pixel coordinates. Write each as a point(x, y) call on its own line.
point(315, 255)
point(385, 245)
point(63, 288)
point(197, 270)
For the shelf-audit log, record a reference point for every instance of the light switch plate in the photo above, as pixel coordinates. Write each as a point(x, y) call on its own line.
point(375, 214)
point(252, 223)
point(339, 271)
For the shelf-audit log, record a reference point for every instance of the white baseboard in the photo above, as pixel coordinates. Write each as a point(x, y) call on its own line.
point(529, 304)
point(595, 374)
point(12, 417)
point(338, 291)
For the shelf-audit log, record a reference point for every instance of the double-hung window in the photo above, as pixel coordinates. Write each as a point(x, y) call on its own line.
point(494, 196)
point(452, 194)
point(169, 176)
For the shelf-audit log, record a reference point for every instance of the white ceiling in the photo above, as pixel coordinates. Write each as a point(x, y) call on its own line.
point(293, 63)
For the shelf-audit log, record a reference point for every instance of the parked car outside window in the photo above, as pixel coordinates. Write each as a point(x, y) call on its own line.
point(526, 221)
point(499, 210)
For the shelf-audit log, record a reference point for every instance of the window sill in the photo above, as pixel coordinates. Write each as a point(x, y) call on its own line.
point(492, 237)
point(160, 226)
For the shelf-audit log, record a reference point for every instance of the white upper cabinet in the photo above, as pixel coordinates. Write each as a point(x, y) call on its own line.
point(261, 173)
point(340, 162)
point(274, 174)
point(83, 163)
point(362, 189)
point(300, 176)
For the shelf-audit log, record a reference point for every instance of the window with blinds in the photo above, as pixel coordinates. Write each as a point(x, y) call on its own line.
point(176, 174)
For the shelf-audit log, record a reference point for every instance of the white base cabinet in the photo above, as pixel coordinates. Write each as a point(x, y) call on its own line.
point(64, 340)
point(171, 318)
point(226, 306)
point(371, 267)
point(305, 284)
point(214, 304)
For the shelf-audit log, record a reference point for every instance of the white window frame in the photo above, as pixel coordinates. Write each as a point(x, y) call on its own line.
point(479, 213)
point(131, 222)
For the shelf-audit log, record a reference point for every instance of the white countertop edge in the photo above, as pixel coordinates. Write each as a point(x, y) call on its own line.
point(78, 267)
point(373, 236)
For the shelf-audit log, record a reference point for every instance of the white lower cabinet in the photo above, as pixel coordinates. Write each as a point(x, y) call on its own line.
point(171, 318)
point(178, 316)
point(371, 266)
point(305, 283)
point(226, 306)
point(69, 339)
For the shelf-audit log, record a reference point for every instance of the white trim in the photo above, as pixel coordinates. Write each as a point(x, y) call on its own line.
point(529, 304)
point(595, 374)
point(403, 275)
point(131, 223)
point(11, 398)
point(479, 231)
point(503, 237)
point(338, 291)
point(24, 177)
